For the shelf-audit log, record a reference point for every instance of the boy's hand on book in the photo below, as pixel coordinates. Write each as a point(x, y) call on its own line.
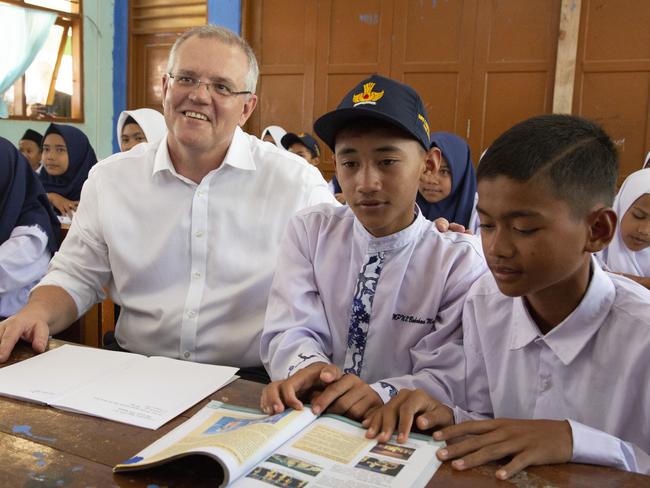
point(278, 394)
point(400, 412)
point(22, 326)
point(528, 442)
point(349, 395)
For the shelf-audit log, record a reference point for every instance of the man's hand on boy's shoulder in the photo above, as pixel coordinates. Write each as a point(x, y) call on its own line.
point(402, 410)
point(527, 442)
point(326, 387)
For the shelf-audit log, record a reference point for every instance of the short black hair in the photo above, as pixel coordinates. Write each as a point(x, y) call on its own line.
point(575, 155)
point(369, 124)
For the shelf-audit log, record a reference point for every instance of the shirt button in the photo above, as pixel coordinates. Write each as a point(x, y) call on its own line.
point(197, 274)
point(199, 233)
point(200, 193)
point(191, 314)
point(546, 384)
point(186, 354)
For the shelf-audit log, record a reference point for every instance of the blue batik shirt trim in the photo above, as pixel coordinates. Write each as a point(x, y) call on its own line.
point(360, 314)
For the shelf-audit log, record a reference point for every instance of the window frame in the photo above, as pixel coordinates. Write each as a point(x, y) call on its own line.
point(68, 21)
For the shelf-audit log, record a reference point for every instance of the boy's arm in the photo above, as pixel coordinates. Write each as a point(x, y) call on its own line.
point(438, 358)
point(296, 333)
point(592, 446)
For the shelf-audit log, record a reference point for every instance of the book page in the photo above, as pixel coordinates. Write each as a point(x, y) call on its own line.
point(147, 394)
point(334, 452)
point(49, 375)
point(239, 438)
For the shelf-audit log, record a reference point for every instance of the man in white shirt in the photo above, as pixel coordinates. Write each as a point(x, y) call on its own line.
point(185, 233)
point(557, 351)
point(365, 296)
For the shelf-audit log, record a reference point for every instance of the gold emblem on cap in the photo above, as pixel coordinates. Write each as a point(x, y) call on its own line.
point(424, 123)
point(368, 97)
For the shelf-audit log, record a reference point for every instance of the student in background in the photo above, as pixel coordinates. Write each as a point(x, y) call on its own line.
point(29, 230)
point(556, 350)
point(273, 134)
point(629, 251)
point(449, 192)
point(141, 125)
point(365, 295)
point(30, 147)
point(67, 159)
point(304, 145)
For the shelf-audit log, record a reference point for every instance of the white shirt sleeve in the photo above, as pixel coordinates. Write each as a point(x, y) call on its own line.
point(438, 359)
point(296, 332)
point(23, 261)
point(593, 446)
point(81, 266)
point(23, 258)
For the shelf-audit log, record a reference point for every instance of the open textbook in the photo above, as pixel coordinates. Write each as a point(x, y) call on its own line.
point(129, 388)
point(292, 449)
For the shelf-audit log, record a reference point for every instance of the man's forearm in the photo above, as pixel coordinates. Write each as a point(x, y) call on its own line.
point(54, 305)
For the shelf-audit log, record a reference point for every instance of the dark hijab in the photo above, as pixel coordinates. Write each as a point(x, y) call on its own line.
point(458, 205)
point(22, 198)
point(81, 157)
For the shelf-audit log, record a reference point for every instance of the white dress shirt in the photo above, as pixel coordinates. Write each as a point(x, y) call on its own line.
point(190, 264)
point(417, 302)
point(23, 261)
point(593, 369)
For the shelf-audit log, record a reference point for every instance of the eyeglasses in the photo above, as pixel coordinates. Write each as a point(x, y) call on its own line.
point(188, 82)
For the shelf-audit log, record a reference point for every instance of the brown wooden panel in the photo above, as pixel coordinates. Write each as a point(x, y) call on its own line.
point(165, 15)
point(435, 30)
point(514, 66)
point(440, 93)
point(511, 98)
point(147, 64)
point(355, 31)
point(523, 31)
point(616, 30)
point(281, 102)
point(612, 99)
point(283, 29)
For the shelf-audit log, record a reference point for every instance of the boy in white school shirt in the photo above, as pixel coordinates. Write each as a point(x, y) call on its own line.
point(365, 295)
point(557, 350)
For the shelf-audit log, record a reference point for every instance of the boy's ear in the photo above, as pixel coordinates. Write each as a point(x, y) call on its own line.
point(602, 225)
point(432, 160)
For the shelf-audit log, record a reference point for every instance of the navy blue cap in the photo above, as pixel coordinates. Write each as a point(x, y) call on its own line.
point(380, 98)
point(289, 139)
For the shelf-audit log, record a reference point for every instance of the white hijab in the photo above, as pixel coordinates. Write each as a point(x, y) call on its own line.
point(276, 132)
point(150, 121)
point(617, 256)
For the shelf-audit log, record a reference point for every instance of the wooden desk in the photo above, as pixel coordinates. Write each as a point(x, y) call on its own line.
point(42, 446)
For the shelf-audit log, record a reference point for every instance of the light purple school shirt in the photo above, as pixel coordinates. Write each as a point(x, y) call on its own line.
point(417, 303)
point(593, 369)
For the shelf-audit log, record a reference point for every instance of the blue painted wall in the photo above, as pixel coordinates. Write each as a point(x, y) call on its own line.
point(226, 13)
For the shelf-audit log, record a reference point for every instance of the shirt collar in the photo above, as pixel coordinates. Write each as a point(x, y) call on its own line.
point(393, 241)
point(569, 337)
point(238, 154)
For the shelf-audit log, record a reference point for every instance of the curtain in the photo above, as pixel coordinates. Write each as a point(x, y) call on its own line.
point(22, 35)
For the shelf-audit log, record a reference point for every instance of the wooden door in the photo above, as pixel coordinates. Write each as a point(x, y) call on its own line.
point(613, 75)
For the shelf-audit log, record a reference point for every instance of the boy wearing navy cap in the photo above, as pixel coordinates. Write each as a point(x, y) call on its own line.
point(30, 146)
point(302, 144)
point(366, 294)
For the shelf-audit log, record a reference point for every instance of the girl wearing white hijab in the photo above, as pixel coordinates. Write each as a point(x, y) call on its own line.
point(141, 125)
point(629, 251)
point(273, 133)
